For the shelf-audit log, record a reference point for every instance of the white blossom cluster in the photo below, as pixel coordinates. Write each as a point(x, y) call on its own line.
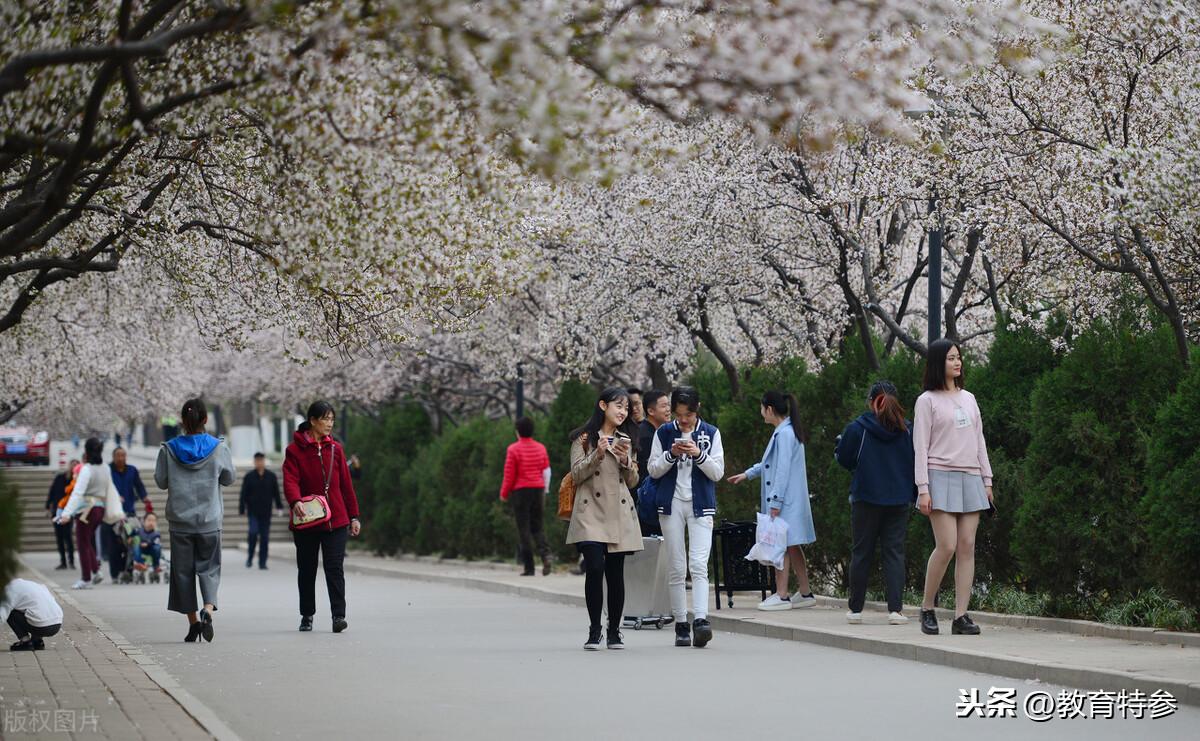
point(273, 201)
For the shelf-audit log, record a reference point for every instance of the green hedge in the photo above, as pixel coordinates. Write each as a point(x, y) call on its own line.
point(1094, 451)
point(1171, 507)
point(10, 530)
point(1078, 530)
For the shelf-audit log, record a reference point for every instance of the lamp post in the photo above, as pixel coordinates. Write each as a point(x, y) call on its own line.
point(520, 390)
point(935, 269)
point(935, 235)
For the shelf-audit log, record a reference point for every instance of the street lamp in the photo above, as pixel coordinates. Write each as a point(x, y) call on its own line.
point(935, 236)
point(520, 390)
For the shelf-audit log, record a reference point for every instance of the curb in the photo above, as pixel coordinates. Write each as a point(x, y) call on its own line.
point(1029, 622)
point(1050, 672)
point(1051, 625)
point(198, 711)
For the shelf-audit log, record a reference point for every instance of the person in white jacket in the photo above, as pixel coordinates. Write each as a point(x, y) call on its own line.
point(87, 501)
point(686, 461)
point(32, 612)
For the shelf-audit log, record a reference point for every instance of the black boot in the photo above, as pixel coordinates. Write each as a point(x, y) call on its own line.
point(614, 639)
point(683, 634)
point(527, 559)
point(964, 626)
point(305, 623)
point(929, 624)
point(703, 632)
point(593, 641)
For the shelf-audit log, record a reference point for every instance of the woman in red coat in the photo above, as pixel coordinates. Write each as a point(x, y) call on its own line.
point(316, 465)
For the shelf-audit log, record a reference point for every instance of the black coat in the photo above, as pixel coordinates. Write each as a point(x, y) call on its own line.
point(259, 493)
point(58, 490)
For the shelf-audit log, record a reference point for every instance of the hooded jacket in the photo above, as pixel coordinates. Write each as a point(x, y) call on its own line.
point(193, 468)
point(305, 472)
point(881, 459)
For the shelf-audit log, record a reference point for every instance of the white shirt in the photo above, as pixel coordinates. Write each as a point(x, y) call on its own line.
point(41, 610)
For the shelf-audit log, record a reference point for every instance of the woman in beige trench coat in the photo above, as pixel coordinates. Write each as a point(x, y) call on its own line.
point(604, 525)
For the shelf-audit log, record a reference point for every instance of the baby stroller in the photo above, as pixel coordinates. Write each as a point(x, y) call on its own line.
point(137, 572)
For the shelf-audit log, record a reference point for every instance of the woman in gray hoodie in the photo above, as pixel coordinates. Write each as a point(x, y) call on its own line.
point(192, 468)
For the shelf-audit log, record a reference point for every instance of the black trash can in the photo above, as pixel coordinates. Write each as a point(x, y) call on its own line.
point(731, 571)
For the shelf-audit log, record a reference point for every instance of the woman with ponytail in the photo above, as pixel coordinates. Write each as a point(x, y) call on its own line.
point(878, 448)
point(784, 493)
point(193, 467)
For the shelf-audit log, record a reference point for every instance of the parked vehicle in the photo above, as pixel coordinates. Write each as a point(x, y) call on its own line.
point(22, 445)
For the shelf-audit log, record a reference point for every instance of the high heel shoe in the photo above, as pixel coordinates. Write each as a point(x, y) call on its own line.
point(206, 625)
point(193, 633)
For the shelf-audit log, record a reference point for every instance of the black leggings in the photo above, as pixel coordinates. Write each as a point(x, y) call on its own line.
point(600, 566)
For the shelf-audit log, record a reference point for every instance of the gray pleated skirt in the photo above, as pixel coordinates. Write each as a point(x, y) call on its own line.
point(955, 491)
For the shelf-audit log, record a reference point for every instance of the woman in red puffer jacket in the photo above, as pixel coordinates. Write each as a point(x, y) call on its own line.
point(316, 465)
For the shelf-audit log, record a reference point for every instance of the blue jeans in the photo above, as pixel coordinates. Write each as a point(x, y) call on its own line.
point(260, 528)
point(154, 551)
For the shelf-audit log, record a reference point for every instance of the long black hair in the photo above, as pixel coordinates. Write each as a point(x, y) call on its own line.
point(93, 451)
point(316, 410)
point(935, 365)
point(592, 427)
point(785, 405)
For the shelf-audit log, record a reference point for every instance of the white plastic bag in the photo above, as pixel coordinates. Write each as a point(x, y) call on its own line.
point(770, 541)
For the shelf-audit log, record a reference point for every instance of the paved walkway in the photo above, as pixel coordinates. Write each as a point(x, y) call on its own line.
point(85, 686)
point(427, 660)
point(1055, 651)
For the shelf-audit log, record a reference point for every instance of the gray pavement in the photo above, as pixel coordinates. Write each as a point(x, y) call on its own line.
point(429, 661)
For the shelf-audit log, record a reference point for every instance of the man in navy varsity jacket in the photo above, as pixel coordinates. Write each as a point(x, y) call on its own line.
point(686, 461)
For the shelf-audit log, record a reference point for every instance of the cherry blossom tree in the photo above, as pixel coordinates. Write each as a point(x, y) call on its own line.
point(330, 183)
point(1098, 154)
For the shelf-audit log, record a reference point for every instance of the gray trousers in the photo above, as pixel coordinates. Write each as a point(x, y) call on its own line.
point(194, 556)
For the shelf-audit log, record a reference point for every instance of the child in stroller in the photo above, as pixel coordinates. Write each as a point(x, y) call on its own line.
point(145, 550)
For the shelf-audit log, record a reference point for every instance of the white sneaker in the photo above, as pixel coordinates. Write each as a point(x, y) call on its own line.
point(775, 602)
point(854, 618)
point(799, 601)
point(897, 619)
point(81, 584)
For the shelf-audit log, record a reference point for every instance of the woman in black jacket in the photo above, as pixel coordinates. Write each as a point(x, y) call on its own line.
point(878, 448)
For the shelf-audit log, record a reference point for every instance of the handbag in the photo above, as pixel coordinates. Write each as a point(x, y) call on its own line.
point(315, 508)
point(647, 504)
point(114, 507)
point(566, 497)
point(566, 491)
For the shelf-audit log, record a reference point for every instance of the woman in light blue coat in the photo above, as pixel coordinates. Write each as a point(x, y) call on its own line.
point(784, 493)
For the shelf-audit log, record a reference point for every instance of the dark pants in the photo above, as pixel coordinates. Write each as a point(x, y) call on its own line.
point(195, 557)
point(21, 626)
point(528, 507)
point(113, 541)
point(599, 567)
point(331, 544)
point(259, 534)
point(66, 545)
point(153, 551)
point(887, 525)
point(85, 541)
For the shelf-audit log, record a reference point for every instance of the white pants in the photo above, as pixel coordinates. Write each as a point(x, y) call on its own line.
point(693, 556)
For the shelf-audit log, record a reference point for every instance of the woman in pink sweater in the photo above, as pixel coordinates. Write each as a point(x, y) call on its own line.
point(954, 480)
